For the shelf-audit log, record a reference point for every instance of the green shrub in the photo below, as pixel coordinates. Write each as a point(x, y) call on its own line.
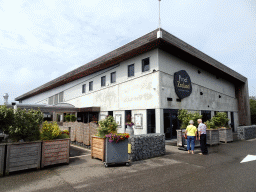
point(26, 125)
point(107, 125)
point(67, 118)
point(50, 131)
point(210, 124)
point(184, 116)
point(6, 118)
point(72, 118)
point(220, 119)
point(63, 136)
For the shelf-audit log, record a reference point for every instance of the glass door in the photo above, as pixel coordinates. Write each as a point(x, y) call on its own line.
point(171, 123)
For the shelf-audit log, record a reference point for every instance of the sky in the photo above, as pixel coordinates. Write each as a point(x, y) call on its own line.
point(42, 40)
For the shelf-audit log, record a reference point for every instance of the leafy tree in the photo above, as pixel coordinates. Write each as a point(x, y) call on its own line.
point(184, 116)
point(253, 106)
point(67, 118)
point(26, 125)
point(220, 119)
point(6, 118)
point(72, 118)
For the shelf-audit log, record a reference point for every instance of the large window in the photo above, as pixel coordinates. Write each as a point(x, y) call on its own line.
point(113, 77)
point(131, 70)
point(83, 88)
point(145, 64)
point(56, 99)
point(91, 86)
point(103, 81)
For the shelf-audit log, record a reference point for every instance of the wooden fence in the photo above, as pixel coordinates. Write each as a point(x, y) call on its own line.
point(81, 132)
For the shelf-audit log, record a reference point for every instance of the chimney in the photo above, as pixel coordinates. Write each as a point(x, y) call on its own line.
point(6, 98)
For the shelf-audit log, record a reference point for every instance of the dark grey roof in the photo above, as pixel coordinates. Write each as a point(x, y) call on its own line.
point(168, 43)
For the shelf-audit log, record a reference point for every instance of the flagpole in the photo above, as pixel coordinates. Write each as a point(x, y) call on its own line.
point(159, 33)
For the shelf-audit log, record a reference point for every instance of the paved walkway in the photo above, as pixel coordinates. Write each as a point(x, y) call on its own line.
point(174, 170)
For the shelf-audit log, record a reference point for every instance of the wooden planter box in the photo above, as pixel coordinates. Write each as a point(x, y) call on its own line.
point(116, 152)
point(98, 148)
point(25, 155)
point(55, 152)
point(2, 156)
point(212, 136)
point(225, 135)
point(179, 139)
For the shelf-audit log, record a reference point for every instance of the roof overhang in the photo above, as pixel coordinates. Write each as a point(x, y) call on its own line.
point(148, 42)
point(52, 108)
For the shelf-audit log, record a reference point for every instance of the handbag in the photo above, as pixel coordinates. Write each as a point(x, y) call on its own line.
point(185, 136)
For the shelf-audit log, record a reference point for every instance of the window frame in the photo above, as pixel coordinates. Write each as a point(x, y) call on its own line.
point(111, 80)
point(128, 72)
point(61, 98)
point(91, 86)
point(104, 81)
point(143, 65)
point(56, 99)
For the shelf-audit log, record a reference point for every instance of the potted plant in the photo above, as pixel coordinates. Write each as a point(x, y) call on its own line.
point(212, 133)
point(221, 121)
point(184, 116)
point(106, 126)
point(116, 150)
point(129, 124)
point(55, 144)
point(24, 150)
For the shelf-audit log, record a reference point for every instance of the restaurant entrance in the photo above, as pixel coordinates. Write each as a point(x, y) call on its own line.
point(171, 123)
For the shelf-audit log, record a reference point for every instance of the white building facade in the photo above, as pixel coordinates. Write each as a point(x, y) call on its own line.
point(142, 85)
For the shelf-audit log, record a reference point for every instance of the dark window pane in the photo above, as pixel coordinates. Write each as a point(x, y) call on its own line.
point(113, 77)
point(130, 70)
point(83, 88)
point(103, 81)
point(50, 101)
point(61, 97)
point(91, 86)
point(145, 64)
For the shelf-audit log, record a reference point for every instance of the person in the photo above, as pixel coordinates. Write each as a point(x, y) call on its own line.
point(202, 137)
point(191, 132)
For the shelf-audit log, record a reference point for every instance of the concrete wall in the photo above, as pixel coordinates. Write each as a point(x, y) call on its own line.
point(170, 64)
point(205, 82)
point(208, 101)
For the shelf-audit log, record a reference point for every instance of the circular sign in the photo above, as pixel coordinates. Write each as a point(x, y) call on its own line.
point(182, 84)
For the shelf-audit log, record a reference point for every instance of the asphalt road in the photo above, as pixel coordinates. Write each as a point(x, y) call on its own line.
point(221, 170)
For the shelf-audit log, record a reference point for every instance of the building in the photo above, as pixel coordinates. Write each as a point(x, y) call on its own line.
point(149, 78)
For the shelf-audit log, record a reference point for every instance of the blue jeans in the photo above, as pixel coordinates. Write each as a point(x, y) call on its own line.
point(191, 140)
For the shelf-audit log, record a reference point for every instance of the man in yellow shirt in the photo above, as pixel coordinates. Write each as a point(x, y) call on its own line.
point(191, 132)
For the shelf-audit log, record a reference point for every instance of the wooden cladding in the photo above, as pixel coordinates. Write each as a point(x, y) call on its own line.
point(2, 153)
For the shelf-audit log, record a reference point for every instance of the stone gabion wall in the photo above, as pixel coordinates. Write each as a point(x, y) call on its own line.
point(146, 146)
point(246, 132)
